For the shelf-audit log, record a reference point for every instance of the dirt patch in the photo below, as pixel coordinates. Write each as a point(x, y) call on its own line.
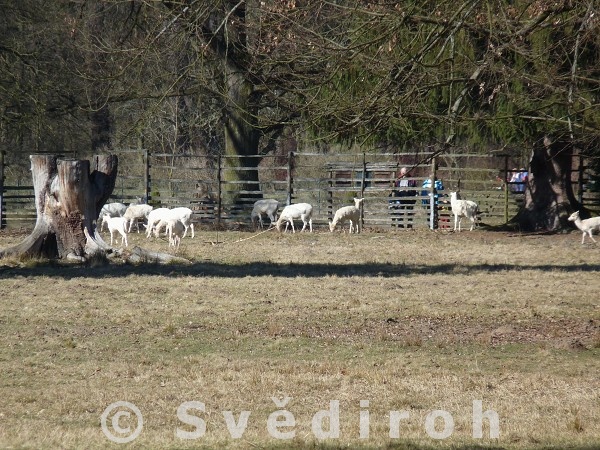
point(568, 334)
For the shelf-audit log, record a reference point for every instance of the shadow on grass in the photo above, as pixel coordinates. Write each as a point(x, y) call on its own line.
point(262, 269)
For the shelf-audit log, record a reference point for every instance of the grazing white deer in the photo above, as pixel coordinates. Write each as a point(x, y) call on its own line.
point(348, 213)
point(175, 231)
point(268, 207)
point(302, 211)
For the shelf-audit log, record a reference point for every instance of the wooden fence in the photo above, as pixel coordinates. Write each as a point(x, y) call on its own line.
point(326, 181)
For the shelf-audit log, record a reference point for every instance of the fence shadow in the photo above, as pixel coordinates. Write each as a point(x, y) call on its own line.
point(268, 269)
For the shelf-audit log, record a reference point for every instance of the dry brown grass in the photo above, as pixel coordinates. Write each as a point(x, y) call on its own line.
point(413, 321)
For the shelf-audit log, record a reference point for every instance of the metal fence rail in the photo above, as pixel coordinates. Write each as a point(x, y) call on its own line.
point(326, 181)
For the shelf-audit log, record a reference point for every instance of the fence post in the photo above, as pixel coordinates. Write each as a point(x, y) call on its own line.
point(330, 195)
point(2, 224)
point(290, 178)
point(580, 180)
point(147, 188)
point(362, 189)
point(506, 197)
point(432, 191)
point(219, 192)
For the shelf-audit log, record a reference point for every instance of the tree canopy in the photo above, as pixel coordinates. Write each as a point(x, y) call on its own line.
point(206, 75)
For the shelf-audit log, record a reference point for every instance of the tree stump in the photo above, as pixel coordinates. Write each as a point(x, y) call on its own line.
point(68, 199)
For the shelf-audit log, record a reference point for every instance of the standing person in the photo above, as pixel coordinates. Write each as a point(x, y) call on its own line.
point(432, 200)
point(439, 186)
point(518, 180)
point(402, 208)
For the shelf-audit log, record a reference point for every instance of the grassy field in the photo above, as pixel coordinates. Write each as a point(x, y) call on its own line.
point(413, 322)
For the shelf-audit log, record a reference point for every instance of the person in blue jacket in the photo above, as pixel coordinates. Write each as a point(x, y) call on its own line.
point(426, 192)
point(439, 186)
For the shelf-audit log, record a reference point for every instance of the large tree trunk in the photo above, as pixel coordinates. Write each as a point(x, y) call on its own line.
point(101, 129)
point(241, 140)
point(68, 200)
point(100, 115)
point(549, 196)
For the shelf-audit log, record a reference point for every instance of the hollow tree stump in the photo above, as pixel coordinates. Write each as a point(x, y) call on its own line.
point(68, 199)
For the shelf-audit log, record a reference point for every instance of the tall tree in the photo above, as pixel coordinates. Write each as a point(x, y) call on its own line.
point(549, 198)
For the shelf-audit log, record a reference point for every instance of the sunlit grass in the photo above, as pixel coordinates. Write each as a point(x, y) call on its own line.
point(412, 321)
